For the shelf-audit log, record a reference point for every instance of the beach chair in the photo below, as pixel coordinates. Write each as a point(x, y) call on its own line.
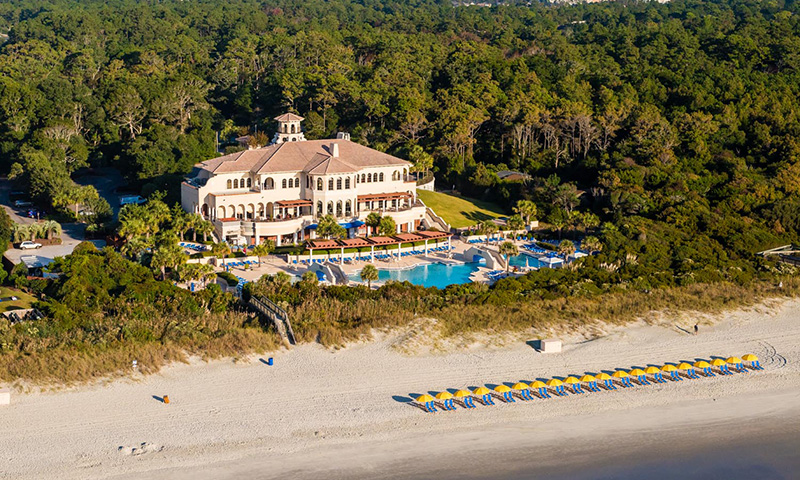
point(468, 402)
point(724, 370)
point(642, 379)
point(755, 365)
point(560, 391)
point(675, 376)
point(430, 407)
point(448, 405)
point(594, 387)
point(543, 392)
point(576, 388)
point(626, 382)
point(659, 377)
point(525, 394)
point(691, 373)
point(487, 399)
point(508, 397)
point(609, 384)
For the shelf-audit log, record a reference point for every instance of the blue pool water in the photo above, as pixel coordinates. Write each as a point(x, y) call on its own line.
point(440, 275)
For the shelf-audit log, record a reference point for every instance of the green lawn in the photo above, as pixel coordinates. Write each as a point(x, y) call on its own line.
point(460, 212)
point(25, 300)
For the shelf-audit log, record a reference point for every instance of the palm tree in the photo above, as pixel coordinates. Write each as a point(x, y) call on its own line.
point(181, 222)
point(205, 273)
point(36, 231)
point(566, 248)
point(515, 223)
point(52, 228)
point(592, 244)
point(220, 250)
point(526, 209)
point(508, 250)
point(487, 228)
point(20, 232)
point(387, 226)
point(204, 228)
point(160, 260)
point(135, 247)
point(369, 274)
point(309, 277)
point(263, 249)
point(373, 221)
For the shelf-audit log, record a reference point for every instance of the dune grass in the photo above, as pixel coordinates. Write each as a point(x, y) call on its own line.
point(460, 212)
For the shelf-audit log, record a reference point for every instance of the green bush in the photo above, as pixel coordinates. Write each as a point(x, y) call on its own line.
point(229, 277)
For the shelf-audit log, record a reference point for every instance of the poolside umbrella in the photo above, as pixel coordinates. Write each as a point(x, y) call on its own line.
point(705, 367)
point(505, 390)
point(622, 376)
point(591, 383)
point(738, 364)
point(656, 373)
point(427, 401)
point(576, 384)
point(640, 376)
point(542, 387)
point(558, 385)
point(607, 381)
point(689, 370)
point(753, 361)
point(466, 397)
point(524, 390)
point(722, 365)
point(485, 394)
point(673, 372)
point(447, 400)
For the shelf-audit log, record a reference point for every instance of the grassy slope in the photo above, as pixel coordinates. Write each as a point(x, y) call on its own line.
point(460, 211)
point(25, 300)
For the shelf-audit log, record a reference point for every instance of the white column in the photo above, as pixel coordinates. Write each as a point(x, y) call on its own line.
point(294, 237)
point(278, 240)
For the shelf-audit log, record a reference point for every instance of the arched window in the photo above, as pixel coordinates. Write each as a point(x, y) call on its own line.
point(339, 208)
point(236, 183)
point(348, 210)
point(294, 139)
point(369, 178)
point(230, 184)
point(330, 208)
point(347, 183)
point(293, 128)
point(330, 184)
point(381, 177)
point(297, 182)
point(249, 182)
point(339, 183)
point(283, 183)
point(363, 178)
point(269, 183)
point(319, 183)
point(396, 175)
point(319, 209)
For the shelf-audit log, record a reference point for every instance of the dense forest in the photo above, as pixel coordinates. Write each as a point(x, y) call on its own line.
point(668, 131)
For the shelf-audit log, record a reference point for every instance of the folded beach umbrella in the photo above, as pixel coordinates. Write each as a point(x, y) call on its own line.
point(427, 401)
point(673, 372)
point(722, 365)
point(656, 373)
point(542, 387)
point(558, 385)
point(640, 376)
point(485, 394)
point(607, 381)
point(622, 375)
point(689, 369)
point(591, 383)
point(524, 390)
point(753, 361)
point(738, 364)
point(466, 397)
point(705, 367)
point(505, 390)
point(576, 384)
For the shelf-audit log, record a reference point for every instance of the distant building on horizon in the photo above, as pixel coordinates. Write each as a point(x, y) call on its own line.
point(279, 191)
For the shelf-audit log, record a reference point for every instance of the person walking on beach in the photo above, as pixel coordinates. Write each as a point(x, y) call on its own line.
point(695, 328)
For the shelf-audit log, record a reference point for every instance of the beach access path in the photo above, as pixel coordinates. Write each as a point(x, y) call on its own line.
point(319, 413)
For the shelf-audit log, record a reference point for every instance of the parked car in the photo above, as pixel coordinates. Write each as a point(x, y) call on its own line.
point(28, 245)
point(129, 199)
point(22, 203)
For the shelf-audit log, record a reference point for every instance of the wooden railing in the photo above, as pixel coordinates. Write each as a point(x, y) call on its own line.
point(277, 315)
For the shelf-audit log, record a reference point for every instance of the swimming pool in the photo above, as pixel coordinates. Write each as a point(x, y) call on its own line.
point(440, 275)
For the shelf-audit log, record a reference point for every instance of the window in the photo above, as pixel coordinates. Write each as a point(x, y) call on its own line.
point(369, 178)
point(249, 182)
point(394, 203)
point(347, 208)
point(319, 209)
point(330, 208)
point(381, 176)
point(269, 184)
point(339, 183)
point(330, 184)
point(339, 208)
point(230, 184)
point(297, 182)
point(283, 183)
point(293, 128)
point(363, 178)
point(347, 183)
point(319, 184)
point(396, 175)
point(236, 183)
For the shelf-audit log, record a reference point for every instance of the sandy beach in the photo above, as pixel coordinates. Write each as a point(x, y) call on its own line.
point(319, 413)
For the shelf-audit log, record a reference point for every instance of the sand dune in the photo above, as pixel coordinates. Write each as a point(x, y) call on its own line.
point(323, 414)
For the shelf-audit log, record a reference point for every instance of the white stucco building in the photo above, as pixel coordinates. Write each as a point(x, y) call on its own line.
point(279, 191)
